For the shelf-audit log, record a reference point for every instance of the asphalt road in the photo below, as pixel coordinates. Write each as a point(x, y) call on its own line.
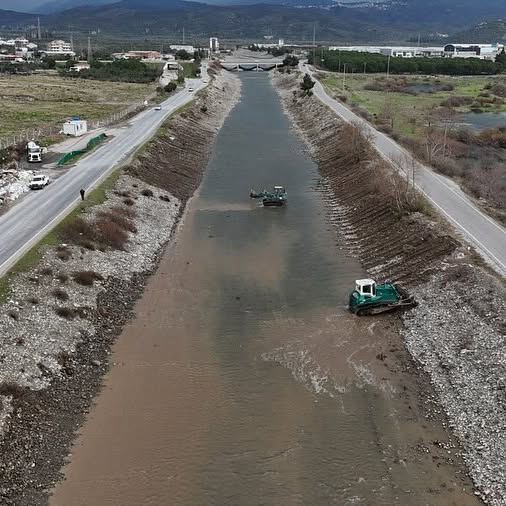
point(487, 236)
point(27, 222)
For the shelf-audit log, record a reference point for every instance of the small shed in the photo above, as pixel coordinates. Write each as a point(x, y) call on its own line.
point(75, 127)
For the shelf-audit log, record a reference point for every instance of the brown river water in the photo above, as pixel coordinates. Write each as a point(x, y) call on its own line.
point(243, 380)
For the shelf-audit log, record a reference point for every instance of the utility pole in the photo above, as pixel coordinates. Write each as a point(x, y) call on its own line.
point(339, 63)
point(72, 41)
point(365, 66)
point(344, 76)
point(38, 28)
point(314, 43)
point(89, 50)
point(183, 35)
point(388, 67)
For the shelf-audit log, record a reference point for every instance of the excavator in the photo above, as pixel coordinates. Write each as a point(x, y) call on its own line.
point(371, 298)
point(277, 197)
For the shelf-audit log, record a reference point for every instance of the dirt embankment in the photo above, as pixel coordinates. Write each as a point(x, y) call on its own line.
point(457, 332)
point(63, 315)
point(380, 216)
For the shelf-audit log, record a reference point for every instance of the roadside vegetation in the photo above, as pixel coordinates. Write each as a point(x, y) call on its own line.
point(31, 101)
point(377, 63)
point(425, 115)
point(127, 71)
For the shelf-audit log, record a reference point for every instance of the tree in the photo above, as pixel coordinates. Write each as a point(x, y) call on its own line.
point(307, 84)
point(291, 61)
point(183, 55)
point(171, 86)
point(501, 59)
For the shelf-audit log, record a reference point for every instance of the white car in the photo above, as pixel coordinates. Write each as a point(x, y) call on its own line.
point(158, 108)
point(190, 89)
point(38, 182)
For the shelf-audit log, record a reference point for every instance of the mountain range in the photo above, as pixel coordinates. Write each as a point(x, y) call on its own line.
point(341, 21)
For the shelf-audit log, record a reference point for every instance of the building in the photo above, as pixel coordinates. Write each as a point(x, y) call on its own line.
point(138, 55)
point(395, 51)
point(180, 47)
point(75, 127)
point(59, 48)
point(482, 51)
point(80, 65)
point(214, 45)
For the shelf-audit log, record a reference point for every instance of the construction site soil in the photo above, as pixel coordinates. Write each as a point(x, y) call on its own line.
point(456, 332)
point(53, 365)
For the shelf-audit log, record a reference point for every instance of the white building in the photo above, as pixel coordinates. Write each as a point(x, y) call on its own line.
point(80, 65)
point(180, 47)
point(394, 51)
point(214, 45)
point(482, 51)
point(75, 127)
point(59, 47)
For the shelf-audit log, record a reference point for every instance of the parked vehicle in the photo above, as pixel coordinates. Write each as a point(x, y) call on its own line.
point(33, 152)
point(190, 89)
point(38, 182)
point(158, 108)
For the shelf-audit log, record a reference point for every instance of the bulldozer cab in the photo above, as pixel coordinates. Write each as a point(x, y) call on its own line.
point(366, 287)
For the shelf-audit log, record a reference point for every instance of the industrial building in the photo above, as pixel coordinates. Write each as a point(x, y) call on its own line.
point(482, 51)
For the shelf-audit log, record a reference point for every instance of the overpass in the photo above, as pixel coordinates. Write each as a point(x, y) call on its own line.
point(255, 66)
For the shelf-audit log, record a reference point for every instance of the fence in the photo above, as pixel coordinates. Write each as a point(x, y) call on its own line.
point(48, 130)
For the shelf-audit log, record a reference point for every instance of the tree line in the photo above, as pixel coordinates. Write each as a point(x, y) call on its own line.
point(130, 71)
point(354, 61)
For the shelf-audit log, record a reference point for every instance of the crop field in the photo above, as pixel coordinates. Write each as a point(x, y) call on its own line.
point(409, 110)
point(28, 101)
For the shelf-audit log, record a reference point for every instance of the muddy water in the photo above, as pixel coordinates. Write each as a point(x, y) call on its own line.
point(243, 380)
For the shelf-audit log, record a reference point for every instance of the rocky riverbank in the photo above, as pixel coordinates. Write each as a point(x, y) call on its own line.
point(457, 331)
point(62, 316)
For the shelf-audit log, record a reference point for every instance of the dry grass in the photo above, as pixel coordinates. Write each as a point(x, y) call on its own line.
point(62, 277)
point(63, 253)
point(46, 271)
point(110, 229)
point(66, 312)
point(29, 101)
point(87, 278)
point(60, 294)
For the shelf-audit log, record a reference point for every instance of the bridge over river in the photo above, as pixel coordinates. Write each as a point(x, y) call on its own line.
point(251, 66)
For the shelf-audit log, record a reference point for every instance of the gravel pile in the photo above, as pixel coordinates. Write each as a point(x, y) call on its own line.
point(458, 334)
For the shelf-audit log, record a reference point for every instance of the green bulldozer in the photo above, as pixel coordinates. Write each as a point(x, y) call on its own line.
point(370, 297)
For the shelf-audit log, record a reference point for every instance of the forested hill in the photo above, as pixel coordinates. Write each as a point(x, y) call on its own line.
point(389, 21)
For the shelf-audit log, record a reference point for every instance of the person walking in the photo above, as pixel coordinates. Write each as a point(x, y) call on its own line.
point(81, 191)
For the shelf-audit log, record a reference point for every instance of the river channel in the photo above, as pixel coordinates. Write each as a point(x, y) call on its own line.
point(243, 380)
